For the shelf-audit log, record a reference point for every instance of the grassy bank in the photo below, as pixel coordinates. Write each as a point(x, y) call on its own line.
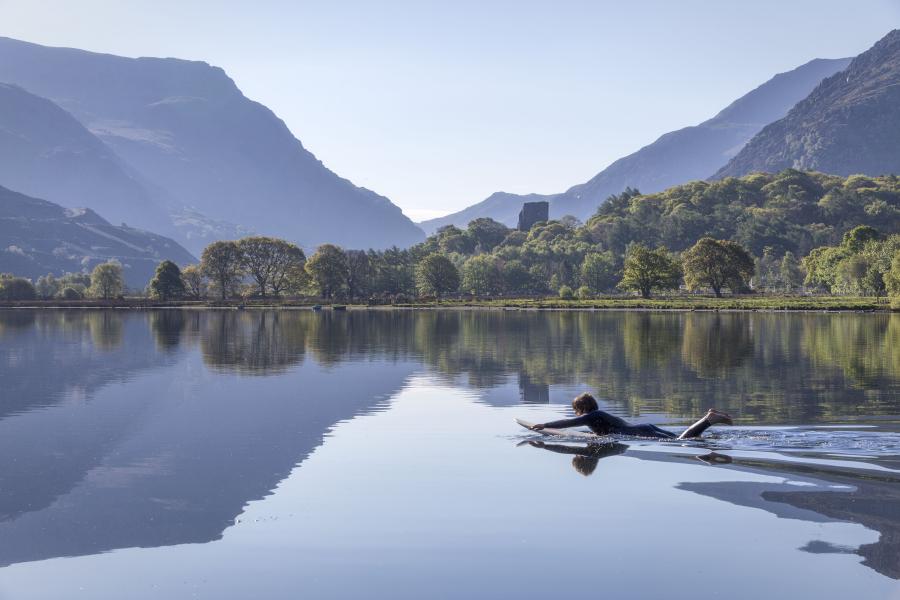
point(773, 303)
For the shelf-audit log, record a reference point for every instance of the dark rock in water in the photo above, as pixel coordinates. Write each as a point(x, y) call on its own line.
point(533, 212)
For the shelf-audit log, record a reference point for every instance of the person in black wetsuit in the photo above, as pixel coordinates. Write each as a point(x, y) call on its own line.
point(603, 423)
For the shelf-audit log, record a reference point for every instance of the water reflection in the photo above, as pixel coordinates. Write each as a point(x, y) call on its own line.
point(766, 368)
point(809, 491)
point(157, 428)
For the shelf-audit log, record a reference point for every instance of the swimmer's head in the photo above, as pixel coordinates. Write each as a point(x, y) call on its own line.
point(584, 404)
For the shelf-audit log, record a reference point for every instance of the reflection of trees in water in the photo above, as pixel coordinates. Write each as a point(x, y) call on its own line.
point(865, 354)
point(767, 367)
point(714, 345)
point(106, 329)
point(252, 342)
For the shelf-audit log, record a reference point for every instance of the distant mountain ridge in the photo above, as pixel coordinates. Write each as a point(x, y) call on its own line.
point(47, 153)
point(849, 124)
point(676, 157)
point(40, 237)
point(187, 130)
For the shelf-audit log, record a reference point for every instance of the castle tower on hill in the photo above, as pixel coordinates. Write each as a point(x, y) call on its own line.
point(533, 212)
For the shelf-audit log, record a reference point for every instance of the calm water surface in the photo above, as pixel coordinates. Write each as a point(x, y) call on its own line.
point(292, 454)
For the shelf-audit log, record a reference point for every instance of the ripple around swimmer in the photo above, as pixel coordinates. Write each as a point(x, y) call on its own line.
point(850, 443)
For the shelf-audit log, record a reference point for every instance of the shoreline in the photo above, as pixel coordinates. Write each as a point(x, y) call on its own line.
point(670, 304)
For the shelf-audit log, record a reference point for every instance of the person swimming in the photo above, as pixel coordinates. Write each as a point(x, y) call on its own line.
point(603, 423)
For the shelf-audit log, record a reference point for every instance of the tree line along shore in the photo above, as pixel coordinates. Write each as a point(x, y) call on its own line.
point(738, 243)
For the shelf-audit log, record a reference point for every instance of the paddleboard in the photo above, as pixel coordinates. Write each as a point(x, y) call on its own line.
point(571, 433)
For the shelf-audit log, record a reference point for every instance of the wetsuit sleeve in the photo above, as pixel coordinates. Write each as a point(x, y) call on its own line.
point(577, 421)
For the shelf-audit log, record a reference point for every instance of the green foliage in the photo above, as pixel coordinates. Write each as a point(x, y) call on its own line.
point(566, 293)
point(47, 286)
point(792, 210)
point(436, 276)
point(857, 238)
point(481, 276)
point(599, 271)
point(107, 281)
point(271, 262)
point(790, 272)
point(861, 265)
point(221, 263)
point(70, 293)
point(892, 278)
point(16, 288)
point(328, 269)
point(167, 283)
point(717, 264)
point(194, 282)
point(486, 233)
point(648, 270)
point(584, 293)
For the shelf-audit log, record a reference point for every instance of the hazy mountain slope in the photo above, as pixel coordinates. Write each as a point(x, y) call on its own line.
point(45, 152)
point(38, 237)
point(849, 124)
point(186, 127)
point(676, 157)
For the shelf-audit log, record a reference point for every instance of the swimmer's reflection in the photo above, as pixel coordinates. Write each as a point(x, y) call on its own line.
point(585, 458)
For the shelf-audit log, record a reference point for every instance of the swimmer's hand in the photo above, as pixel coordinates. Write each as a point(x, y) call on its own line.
point(537, 443)
point(537, 427)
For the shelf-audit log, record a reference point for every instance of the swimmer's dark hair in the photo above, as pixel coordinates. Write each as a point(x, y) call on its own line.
point(585, 464)
point(584, 404)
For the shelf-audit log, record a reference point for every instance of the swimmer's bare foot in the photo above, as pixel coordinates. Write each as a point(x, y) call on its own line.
point(717, 417)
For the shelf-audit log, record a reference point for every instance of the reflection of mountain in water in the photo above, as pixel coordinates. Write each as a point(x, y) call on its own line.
point(172, 454)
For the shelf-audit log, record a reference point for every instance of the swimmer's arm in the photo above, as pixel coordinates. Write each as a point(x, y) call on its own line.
point(564, 423)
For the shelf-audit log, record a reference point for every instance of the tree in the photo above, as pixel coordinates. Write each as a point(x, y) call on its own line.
point(221, 263)
point(856, 239)
point(516, 278)
point(821, 266)
point(647, 270)
point(107, 281)
point(717, 264)
point(892, 279)
point(167, 283)
point(566, 293)
point(487, 233)
point(481, 276)
point(328, 270)
point(194, 282)
point(789, 272)
point(359, 274)
point(16, 288)
point(47, 286)
point(436, 275)
point(288, 261)
point(269, 261)
point(598, 271)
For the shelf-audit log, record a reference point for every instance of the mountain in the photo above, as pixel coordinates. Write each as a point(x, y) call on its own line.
point(40, 237)
point(849, 124)
point(676, 157)
point(185, 128)
point(45, 152)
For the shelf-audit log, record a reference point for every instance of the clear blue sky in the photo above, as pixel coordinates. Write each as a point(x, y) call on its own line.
point(437, 104)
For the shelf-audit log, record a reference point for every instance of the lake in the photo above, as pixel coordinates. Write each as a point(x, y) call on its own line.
point(373, 453)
